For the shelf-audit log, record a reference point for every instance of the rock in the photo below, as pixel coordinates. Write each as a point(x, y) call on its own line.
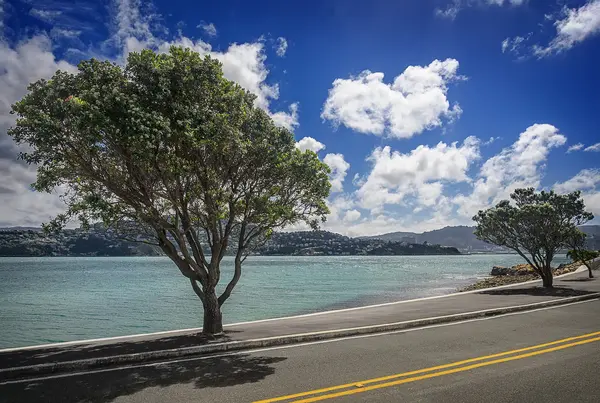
point(517, 270)
point(500, 271)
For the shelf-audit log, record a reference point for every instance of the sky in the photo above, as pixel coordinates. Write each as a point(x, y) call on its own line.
point(426, 111)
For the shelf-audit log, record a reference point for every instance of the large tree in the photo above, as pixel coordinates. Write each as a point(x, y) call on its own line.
point(169, 148)
point(536, 225)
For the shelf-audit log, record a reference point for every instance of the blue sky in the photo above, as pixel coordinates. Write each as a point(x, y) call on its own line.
point(425, 110)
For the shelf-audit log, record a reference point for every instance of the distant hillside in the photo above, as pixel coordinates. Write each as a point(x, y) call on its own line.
point(329, 243)
point(97, 242)
point(70, 242)
point(462, 237)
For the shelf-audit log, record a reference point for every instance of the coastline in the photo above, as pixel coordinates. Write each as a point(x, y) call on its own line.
point(94, 310)
point(497, 281)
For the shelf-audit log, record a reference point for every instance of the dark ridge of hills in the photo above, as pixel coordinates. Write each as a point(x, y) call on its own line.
point(101, 242)
point(19, 241)
point(462, 237)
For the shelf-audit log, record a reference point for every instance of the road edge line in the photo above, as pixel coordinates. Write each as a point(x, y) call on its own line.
point(99, 362)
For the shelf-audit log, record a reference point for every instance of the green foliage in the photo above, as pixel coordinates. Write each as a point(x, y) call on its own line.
point(535, 225)
point(169, 144)
point(582, 255)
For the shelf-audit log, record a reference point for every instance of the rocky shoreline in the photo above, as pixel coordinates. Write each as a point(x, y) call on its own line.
point(515, 274)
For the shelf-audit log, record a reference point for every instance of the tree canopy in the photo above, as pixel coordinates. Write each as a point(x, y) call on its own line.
point(168, 145)
point(536, 225)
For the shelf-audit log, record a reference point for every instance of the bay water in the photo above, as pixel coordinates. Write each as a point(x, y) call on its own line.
point(55, 299)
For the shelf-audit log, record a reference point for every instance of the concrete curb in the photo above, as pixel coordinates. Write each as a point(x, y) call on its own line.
point(69, 366)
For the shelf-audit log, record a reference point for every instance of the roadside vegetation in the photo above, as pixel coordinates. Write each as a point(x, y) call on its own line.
point(536, 225)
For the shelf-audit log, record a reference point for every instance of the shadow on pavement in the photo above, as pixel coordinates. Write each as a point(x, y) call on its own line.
point(539, 291)
point(216, 372)
point(580, 279)
point(84, 351)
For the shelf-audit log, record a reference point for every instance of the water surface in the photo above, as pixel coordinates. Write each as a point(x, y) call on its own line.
point(54, 299)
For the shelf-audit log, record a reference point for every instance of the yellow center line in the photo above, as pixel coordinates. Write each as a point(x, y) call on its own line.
point(361, 384)
point(447, 372)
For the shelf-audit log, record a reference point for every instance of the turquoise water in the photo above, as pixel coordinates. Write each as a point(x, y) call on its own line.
point(54, 299)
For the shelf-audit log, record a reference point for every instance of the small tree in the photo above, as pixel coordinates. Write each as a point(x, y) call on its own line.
point(578, 253)
point(169, 147)
point(537, 226)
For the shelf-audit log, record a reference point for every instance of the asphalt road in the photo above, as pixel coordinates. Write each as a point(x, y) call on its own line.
point(563, 371)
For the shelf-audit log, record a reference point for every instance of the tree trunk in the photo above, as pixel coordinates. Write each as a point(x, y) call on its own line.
point(213, 320)
point(547, 278)
point(589, 267)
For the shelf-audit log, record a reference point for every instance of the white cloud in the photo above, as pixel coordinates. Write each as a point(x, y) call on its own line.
point(593, 147)
point(309, 143)
point(576, 25)
point(414, 102)
point(450, 12)
point(281, 47)
point(287, 120)
point(588, 181)
point(575, 147)
point(422, 172)
point(515, 45)
point(209, 29)
point(454, 7)
point(28, 61)
point(244, 63)
point(58, 33)
point(48, 16)
point(338, 167)
point(491, 140)
point(515, 167)
point(133, 28)
point(352, 215)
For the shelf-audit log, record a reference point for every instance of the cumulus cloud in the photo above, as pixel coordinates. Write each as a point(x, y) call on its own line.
point(593, 147)
point(309, 143)
point(281, 46)
point(134, 27)
point(588, 182)
point(575, 147)
point(209, 29)
point(244, 63)
point(287, 120)
point(415, 101)
point(584, 180)
point(28, 61)
point(514, 167)
point(352, 215)
point(572, 27)
point(338, 167)
point(421, 173)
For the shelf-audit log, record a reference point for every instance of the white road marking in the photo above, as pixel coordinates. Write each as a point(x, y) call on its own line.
point(170, 362)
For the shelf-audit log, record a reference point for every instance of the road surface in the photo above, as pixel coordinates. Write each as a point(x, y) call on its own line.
point(557, 360)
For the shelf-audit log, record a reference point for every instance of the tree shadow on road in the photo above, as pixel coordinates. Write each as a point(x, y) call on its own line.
point(581, 279)
point(215, 372)
point(539, 291)
point(93, 350)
